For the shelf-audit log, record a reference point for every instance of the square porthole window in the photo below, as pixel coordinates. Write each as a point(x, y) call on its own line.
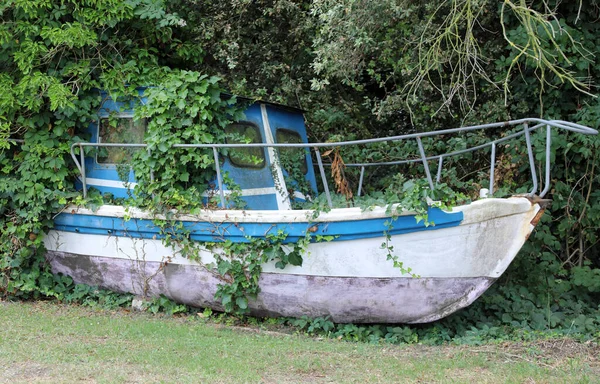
point(245, 133)
point(123, 130)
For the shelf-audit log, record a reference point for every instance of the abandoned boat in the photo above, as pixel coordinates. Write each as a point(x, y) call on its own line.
point(350, 277)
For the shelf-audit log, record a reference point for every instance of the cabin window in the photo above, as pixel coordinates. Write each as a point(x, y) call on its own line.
point(245, 133)
point(291, 157)
point(124, 130)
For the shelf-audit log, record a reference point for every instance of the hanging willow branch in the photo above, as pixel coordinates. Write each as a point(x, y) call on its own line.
point(541, 46)
point(451, 45)
point(450, 60)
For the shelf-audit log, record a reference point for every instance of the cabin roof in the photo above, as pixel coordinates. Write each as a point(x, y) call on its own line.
point(246, 98)
point(278, 105)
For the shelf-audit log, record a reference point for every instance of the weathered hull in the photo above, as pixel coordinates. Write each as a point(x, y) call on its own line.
point(348, 279)
point(344, 299)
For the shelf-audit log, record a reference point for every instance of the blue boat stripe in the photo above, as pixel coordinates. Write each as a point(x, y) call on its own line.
point(238, 232)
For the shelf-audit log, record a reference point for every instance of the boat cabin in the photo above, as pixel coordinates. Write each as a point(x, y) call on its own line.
point(257, 170)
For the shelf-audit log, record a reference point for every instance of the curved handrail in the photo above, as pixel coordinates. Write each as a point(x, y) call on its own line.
point(423, 158)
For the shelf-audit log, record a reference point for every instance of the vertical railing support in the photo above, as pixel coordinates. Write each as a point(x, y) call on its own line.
point(531, 159)
point(83, 177)
point(219, 179)
point(425, 164)
point(492, 168)
point(323, 177)
point(151, 169)
point(360, 180)
point(438, 176)
point(548, 153)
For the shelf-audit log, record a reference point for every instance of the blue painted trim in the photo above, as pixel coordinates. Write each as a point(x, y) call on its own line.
point(238, 232)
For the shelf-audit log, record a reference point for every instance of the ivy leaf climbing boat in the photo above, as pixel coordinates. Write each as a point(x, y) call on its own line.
point(383, 264)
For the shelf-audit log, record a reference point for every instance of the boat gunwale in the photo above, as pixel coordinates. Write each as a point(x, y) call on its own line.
point(521, 203)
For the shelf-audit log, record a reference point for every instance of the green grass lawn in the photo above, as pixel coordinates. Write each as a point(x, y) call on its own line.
point(47, 342)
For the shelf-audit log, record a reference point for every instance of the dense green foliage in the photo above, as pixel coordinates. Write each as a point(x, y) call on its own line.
point(360, 68)
point(53, 56)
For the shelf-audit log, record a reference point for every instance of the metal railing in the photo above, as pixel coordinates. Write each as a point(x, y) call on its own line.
point(529, 125)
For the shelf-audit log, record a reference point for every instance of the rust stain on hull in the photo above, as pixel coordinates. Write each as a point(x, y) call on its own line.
point(543, 204)
point(538, 216)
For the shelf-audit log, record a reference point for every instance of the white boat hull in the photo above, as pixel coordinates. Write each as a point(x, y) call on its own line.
point(349, 280)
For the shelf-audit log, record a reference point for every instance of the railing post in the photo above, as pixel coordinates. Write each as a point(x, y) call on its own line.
point(151, 169)
point(360, 181)
point(492, 168)
point(531, 159)
point(323, 177)
point(83, 177)
point(219, 179)
point(425, 164)
point(548, 151)
point(74, 157)
point(438, 176)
